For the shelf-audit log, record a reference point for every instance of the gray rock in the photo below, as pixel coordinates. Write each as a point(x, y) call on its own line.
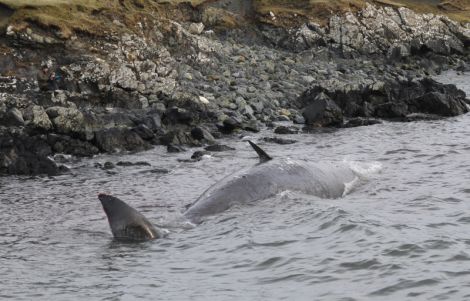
point(197, 155)
point(322, 111)
point(251, 126)
point(144, 132)
point(108, 165)
point(284, 130)
point(119, 139)
point(12, 117)
point(201, 133)
point(37, 118)
point(196, 28)
point(218, 148)
point(174, 148)
point(128, 163)
point(70, 121)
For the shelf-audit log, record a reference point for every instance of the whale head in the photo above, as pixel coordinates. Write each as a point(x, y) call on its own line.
point(127, 223)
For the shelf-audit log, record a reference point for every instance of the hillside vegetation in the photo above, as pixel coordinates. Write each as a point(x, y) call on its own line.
point(98, 17)
point(321, 10)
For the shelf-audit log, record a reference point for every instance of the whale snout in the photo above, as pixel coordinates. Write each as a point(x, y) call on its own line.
point(127, 223)
point(111, 204)
point(106, 198)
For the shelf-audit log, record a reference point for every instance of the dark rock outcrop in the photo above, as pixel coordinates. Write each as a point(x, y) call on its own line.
point(391, 100)
point(21, 154)
point(119, 139)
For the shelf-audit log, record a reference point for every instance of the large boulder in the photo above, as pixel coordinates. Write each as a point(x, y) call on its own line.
point(36, 118)
point(119, 139)
point(24, 155)
point(441, 104)
point(322, 111)
point(70, 121)
point(67, 145)
point(12, 117)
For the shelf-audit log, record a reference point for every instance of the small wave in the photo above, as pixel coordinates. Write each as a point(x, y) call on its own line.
point(403, 285)
point(402, 151)
point(361, 265)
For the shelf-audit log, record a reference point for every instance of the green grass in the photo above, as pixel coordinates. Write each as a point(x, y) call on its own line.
point(96, 17)
point(93, 17)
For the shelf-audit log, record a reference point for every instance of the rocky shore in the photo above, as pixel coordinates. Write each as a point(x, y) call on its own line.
point(186, 81)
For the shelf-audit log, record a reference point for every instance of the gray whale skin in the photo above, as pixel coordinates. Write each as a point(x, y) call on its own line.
point(264, 180)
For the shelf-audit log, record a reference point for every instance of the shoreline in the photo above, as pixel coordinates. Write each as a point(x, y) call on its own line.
point(184, 84)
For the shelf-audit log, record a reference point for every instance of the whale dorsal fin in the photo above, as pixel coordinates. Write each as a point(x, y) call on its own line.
point(263, 156)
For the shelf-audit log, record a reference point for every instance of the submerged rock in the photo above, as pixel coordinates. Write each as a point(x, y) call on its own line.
point(175, 148)
point(128, 163)
point(285, 130)
point(218, 148)
point(278, 140)
point(197, 155)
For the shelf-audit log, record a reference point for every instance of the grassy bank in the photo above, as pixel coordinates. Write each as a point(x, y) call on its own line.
point(321, 10)
point(95, 17)
point(99, 17)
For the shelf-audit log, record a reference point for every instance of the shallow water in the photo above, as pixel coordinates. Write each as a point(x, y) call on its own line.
point(404, 234)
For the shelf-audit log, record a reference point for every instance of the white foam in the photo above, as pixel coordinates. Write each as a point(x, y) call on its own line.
point(364, 170)
point(349, 186)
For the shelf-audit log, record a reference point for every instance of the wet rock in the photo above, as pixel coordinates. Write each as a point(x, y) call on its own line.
point(128, 163)
point(24, 155)
point(355, 122)
point(175, 148)
point(144, 132)
point(152, 121)
point(12, 117)
point(392, 99)
point(420, 117)
point(179, 137)
point(177, 115)
point(156, 171)
point(119, 139)
point(197, 155)
point(68, 145)
point(230, 124)
point(218, 148)
point(108, 165)
point(321, 111)
point(285, 130)
point(60, 158)
point(201, 133)
point(278, 140)
point(441, 104)
point(251, 126)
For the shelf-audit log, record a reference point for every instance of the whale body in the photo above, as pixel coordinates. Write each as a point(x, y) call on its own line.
point(266, 179)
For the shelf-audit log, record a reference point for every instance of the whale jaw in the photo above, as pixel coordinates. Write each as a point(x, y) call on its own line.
point(126, 223)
